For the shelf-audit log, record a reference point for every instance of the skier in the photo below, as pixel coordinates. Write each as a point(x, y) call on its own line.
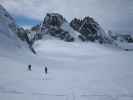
point(46, 70)
point(29, 67)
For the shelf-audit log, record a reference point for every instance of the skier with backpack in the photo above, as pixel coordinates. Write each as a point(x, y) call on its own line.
point(29, 67)
point(46, 70)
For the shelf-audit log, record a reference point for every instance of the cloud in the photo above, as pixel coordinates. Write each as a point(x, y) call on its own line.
point(111, 14)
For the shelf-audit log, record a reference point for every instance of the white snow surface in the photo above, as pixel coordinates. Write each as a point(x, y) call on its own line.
point(76, 71)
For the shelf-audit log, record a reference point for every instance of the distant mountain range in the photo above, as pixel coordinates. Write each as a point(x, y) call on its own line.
point(55, 25)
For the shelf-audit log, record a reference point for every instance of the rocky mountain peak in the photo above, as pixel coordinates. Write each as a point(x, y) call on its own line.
point(52, 25)
point(88, 28)
point(53, 19)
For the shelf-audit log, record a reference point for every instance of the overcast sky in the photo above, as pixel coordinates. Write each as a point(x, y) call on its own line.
point(116, 15)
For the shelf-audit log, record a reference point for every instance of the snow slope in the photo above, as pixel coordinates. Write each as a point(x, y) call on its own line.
point(76, 71)
point(8, 29)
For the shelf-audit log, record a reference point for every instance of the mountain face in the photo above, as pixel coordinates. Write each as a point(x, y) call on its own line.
point(10, 34)
point(90, 30)
point(128, 38)
point(8, 29)
point(86, 29)
point(7, 23)
point(57, 26)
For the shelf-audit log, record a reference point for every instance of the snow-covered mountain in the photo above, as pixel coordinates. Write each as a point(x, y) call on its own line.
point(11, 35)
point(86, 29)
point(122, 41)
point(90, 30)
point(8, 28)
point(121, 37)
point(57, 26)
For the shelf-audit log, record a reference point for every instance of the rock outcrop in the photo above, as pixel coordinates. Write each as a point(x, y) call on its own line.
point(52, 25)
point(90, 30)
